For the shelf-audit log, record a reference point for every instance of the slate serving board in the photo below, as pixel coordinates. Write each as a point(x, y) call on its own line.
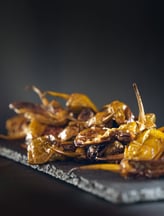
point(106, 185)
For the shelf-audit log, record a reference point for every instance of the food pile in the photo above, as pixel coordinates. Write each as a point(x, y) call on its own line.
point(111, 138)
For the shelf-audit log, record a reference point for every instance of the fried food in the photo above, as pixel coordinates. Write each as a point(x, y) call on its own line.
point(113, 136)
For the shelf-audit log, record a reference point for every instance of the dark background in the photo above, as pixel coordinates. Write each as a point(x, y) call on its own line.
point(96, 47)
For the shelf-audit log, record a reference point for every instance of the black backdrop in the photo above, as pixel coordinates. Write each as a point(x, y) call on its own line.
point(98, 48)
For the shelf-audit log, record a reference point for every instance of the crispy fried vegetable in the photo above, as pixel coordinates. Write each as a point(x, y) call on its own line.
point(16, 127)
point(119, 111)
point(76, 101)
point(126, 144)
point(143, 153)
point(42, 149)
point(148, 145)
point(50, 115)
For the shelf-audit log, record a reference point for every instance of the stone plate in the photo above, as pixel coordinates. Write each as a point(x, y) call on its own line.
point(106, 185)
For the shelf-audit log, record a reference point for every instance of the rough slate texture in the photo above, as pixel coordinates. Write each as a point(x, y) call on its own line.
point(107, 185)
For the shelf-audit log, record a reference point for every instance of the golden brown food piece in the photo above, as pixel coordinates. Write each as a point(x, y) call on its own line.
point(121, 112)
point(50, 115)
point(16, 127)
point(42, 150)
point(127, 144)
point(148, 145)
point(140, 154)
point(75, 102)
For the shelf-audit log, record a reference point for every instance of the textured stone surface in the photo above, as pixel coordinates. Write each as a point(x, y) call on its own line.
point(107, 185)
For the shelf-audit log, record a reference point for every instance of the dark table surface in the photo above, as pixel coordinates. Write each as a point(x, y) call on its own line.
point(24, 191)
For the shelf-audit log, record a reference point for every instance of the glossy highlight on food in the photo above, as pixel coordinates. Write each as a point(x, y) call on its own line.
point(111, 138)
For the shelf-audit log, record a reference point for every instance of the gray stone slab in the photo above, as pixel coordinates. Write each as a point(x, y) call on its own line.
point(106, 185)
